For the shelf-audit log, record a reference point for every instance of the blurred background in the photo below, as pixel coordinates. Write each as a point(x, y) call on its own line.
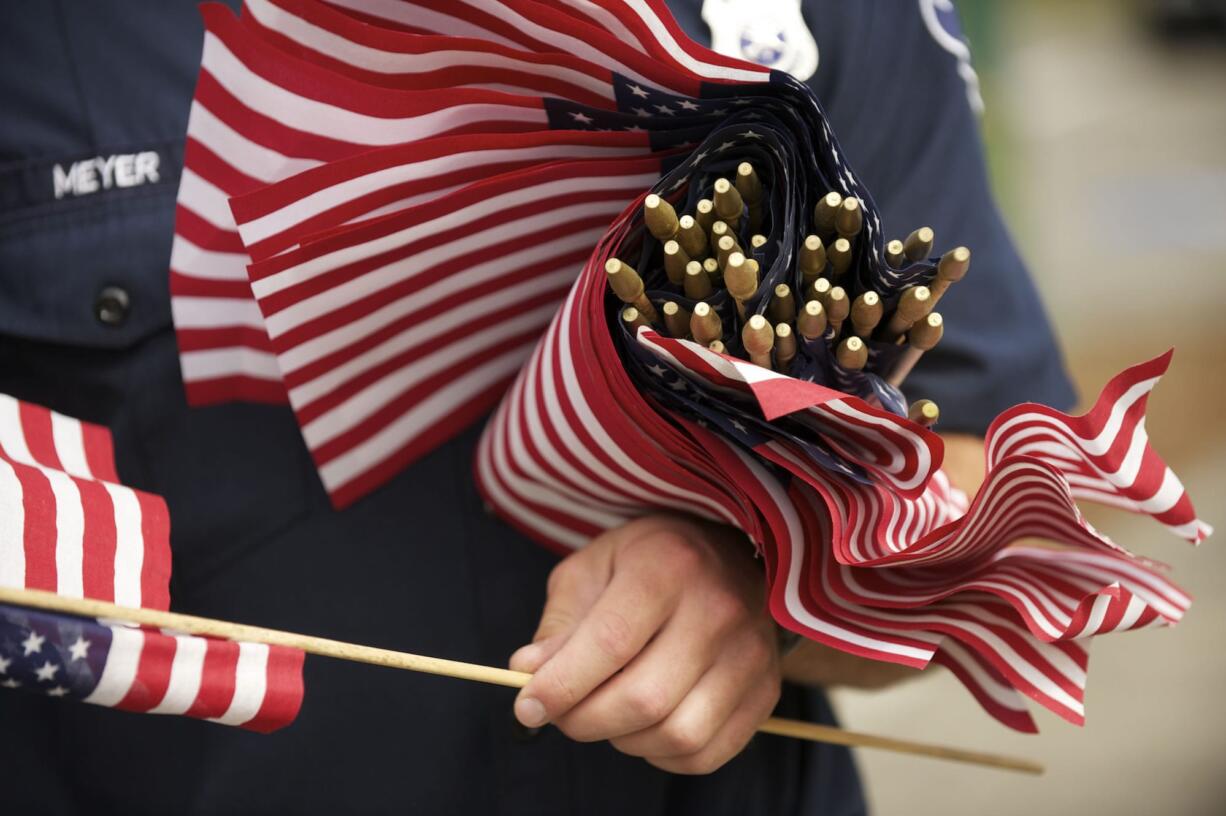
point(1106, 131)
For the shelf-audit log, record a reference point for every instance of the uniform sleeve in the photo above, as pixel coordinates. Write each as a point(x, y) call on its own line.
point(900, 108)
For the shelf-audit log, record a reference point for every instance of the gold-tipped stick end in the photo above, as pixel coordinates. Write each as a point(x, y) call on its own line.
point(785, 347)
point(918, 245)
point(660, 217)
point(741, 276)
point(676, 319)
point(697, 282)
point(852, 354)
point(811, 322)
point(705, 324)
point(675, 261)
point(623, 280)
point(924, 412)
point(866, 313)
point(633, 319)
point(849, 218)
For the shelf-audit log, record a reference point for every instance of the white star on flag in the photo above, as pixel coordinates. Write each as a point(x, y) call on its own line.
point(47, 671)
point(58, 691)
point(33, 644)
point(688, 105)
point(664, 109)
point(79, 649)
point(637, 91)
point(5, 662)
point(11, 683)
point(580, 116)
point(642, 111)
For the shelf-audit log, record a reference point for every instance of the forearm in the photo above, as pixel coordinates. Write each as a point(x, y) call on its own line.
point(811, 663)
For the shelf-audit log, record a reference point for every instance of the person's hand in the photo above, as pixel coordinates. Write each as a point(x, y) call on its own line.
point(655, 636)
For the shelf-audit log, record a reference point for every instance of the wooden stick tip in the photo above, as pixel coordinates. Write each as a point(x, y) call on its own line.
point(924, 412)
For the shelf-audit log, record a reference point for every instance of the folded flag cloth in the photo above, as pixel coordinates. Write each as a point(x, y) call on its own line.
point(382, 220)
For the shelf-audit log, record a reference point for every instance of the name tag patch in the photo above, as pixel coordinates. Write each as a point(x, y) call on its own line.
point(118, 170)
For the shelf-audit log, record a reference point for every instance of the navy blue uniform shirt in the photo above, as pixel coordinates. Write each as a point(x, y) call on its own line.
point(85, 329)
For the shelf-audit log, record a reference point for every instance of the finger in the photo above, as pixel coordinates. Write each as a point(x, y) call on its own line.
point(632, 609)
point(730, 739)
point(574, 586)
point(693, 724)
point(652, 685)
point(531, 657)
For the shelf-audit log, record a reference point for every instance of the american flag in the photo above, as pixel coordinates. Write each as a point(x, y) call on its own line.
point(66, 523)
point(299, 85)
point(250, 685)
point(884, 559)
point(321, 149)
point(385, 204)
point(68, 526)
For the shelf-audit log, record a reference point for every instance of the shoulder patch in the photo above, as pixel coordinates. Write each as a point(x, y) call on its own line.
point(943, 24)
point(772, 33)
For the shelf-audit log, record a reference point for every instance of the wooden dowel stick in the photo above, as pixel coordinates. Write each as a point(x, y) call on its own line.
point(837, 736)
point(209, 627)
point(227, 630)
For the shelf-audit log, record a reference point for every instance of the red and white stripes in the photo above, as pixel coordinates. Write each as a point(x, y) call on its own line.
point(250, 685)
point(376, 222)
point(902, 568)
point(66, 524)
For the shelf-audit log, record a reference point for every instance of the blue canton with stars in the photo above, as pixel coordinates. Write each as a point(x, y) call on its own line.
point(780, 128)
point(50, 654)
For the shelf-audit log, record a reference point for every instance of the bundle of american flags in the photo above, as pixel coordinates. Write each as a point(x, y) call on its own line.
point(393, 211)
point(68, 526)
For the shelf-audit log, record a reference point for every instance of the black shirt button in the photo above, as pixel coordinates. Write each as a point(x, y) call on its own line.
point(111, 306)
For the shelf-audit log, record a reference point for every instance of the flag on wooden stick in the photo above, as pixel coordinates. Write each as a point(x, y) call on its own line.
point(397, 216)
point(67, 525)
